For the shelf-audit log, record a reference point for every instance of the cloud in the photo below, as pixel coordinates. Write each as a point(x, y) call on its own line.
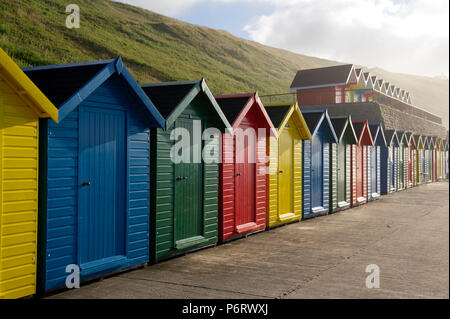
point(409, 36)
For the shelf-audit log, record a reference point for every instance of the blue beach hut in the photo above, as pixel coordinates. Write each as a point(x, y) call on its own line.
point(316, 163)
point(94, 203)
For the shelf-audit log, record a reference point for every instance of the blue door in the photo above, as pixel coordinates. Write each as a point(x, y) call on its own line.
point(317, 171)
point(102, 169)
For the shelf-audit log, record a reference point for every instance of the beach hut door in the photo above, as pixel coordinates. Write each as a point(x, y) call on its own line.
point(373, 171)
point(285, 173)
point(316, 172)
point(245, 181)
point(188, 179)
point(341, 175)
point(102, 179)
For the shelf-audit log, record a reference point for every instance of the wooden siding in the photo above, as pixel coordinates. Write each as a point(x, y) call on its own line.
point(19, 136)
point(307, 205)
point(226, 189)
point(334, 176)
point(272, 180)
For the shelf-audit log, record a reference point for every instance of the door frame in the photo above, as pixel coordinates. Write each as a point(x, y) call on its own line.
point(186, 243)
point(114, 261)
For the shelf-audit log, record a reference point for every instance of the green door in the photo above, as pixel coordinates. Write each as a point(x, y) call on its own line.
point(188, 210)
point(341, 190)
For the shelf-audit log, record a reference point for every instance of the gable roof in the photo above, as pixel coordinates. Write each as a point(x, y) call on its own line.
point(343, 126)
point(418, 141)
point(402, 137)
point(322, 77)
point(282, 113)
point(25, 88)
point(277, 113)
point(315, 119)
point(431, 141)
point(68, 85)
point(363, 133)
point(172, 98)
point(391, 137)
point(410, 139)
point(236, 106)
point(377, 132)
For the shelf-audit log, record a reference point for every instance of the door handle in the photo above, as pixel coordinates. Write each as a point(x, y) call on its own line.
point(238, 174)
point(281, 171)
point(86, 184)
point(179, 178)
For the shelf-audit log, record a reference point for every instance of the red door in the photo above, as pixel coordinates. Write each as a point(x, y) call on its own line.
point(359, 172)
point(245, 174)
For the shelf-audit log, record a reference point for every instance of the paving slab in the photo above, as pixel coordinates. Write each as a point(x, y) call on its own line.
point(405, 233)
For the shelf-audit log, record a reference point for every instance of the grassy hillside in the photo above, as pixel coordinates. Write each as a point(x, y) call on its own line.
point(154, 47)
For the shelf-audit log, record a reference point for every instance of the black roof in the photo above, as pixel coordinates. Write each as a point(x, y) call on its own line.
point(416, 139)
point(358, 127)
point(311, 119)
point(166, 97)
point(373, 129)
point(60, 82)
point(339, 125)
point(232, 106)
point(277, 114)
point(389, 134)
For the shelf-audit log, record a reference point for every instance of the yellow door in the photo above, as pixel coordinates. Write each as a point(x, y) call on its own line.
point(285, 177)
point(288, 175)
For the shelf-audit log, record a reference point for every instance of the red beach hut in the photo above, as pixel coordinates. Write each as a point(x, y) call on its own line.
point(242, 185)
point(359, 162)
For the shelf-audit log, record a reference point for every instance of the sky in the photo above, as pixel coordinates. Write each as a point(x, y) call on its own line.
point(406, 36)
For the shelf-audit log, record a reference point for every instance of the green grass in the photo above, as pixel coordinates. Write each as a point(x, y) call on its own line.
point(158, 48)
point(154, 47)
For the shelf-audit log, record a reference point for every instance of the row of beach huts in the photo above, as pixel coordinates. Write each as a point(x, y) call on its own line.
point(88, 180)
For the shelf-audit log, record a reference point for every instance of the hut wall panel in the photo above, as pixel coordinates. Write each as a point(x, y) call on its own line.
point(353, 175)
point(261, 183)
point(326, 176)
point(334, 183)
point(19, 136)
point(383, 170)
point(369, 172)
point(378, 168)
point(272, 180)
point(226, 197)
point(348, 164)
point(298, 189)
point(306, 177)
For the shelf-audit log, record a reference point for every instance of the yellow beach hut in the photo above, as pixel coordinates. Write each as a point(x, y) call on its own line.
point(21, 106)
point(285, 167)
